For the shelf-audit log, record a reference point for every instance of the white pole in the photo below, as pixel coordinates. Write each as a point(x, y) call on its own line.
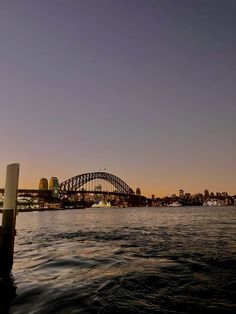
point(9, 218)
point(11, 186)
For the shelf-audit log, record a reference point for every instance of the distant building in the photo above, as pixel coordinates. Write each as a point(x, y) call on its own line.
point(187, 195)
point(43, 184)
point(54, 186)
point(98, 188)
point(181, 193)
point(206, 193)
point(138, 191)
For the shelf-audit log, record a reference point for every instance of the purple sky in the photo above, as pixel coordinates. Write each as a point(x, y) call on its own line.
point(143, 88)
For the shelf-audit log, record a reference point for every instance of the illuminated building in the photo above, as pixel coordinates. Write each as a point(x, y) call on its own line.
point(54, 186)
point(43, 184)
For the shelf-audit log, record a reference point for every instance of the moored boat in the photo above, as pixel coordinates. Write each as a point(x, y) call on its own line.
point(174, 204)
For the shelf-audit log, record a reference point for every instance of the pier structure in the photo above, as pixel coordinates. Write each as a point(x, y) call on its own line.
point(7, 230)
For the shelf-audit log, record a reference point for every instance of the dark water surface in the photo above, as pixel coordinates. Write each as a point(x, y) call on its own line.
point(130, 260)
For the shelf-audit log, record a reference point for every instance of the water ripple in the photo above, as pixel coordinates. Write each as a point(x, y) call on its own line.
point(124, 261)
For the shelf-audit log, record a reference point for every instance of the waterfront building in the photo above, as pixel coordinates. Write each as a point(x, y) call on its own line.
point(43, 184)
point(138, 191)
point(206, 193)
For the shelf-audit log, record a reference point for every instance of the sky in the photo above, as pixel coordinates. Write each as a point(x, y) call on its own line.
point(142, 88)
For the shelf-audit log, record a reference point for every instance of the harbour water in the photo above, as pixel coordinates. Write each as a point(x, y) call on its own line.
point(123, 260)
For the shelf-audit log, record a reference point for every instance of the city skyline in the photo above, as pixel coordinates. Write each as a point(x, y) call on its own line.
point(144, 89)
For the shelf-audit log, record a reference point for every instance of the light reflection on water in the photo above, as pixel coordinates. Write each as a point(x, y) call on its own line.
point(132, 260)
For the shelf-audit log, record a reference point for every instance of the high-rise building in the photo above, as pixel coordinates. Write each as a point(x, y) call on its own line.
point(43, 184)
point(138, 191)
point(181, 193)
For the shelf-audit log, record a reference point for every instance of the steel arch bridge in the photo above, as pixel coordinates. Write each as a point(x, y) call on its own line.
point(75, 183)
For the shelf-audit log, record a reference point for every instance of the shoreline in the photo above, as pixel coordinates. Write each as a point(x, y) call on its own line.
point(43, 209)
point(30, 210)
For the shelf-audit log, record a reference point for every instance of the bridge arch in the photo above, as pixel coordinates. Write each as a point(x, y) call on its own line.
point(74, 183)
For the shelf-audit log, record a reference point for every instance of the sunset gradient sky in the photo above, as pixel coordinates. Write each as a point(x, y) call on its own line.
point(143, 88)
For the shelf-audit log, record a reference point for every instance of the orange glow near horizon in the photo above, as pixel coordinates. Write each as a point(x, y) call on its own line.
point(164, 189)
